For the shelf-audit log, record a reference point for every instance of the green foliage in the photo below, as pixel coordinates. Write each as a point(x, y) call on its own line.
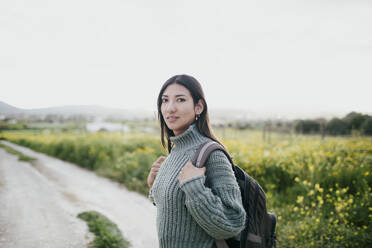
point(355, 120)
point(352, 123)
point(337, 126)
point(107, 234)
point(121, 158)
point(367, 127)
point(12, 126)
point(20, 155)
point(320, 189)
point(307, 126)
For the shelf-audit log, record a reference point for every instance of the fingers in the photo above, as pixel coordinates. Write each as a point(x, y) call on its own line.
point(189, 164)
point(154, 170)
point(190, 171)
point(158, 162)
point(160, 159)
point(156, 165)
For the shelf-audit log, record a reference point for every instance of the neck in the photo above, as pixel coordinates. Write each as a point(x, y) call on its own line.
point(188, 138)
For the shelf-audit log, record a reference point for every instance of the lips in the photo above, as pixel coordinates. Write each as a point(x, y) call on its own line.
point(172, 118)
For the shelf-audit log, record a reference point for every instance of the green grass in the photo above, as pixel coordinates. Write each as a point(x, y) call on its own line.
point(107, 234)
point(20, 155)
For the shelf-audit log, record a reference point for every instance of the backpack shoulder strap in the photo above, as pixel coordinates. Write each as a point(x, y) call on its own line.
point(205, 149)
point(199, 159)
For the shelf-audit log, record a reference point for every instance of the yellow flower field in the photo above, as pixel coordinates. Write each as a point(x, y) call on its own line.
point(319, 189)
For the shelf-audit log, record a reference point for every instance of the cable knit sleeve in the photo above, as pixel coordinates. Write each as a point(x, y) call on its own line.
point(217, 209)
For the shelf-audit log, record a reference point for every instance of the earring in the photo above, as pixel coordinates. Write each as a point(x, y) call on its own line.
point(197, 117)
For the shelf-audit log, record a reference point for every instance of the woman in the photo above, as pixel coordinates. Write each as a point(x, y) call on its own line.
point(195, 206)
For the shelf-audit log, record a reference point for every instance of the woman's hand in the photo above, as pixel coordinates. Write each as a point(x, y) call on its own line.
point(154, 170)
point(190, 171)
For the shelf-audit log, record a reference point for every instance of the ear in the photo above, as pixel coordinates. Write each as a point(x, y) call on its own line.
point(199, 107)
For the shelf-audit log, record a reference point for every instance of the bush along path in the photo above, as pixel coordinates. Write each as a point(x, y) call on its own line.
point(20, 155)
point(107, 234)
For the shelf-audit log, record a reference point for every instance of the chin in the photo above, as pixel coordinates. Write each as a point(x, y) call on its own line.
point(171, 126)
point(174, 126)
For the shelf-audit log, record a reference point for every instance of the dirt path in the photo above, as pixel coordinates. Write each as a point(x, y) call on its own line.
point(39, 204)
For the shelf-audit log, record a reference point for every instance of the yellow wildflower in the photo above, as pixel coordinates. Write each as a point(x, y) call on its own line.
point(300, 199)
point(317, 187)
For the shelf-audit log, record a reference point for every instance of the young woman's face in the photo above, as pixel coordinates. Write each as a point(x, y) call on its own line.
point(178, 108)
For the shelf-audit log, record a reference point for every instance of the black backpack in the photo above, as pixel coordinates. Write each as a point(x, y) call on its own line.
point(259, 231)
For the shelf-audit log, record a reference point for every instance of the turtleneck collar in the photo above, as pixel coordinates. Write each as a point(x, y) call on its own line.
point(188, 138)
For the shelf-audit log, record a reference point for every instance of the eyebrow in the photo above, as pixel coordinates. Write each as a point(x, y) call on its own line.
point(176, 95)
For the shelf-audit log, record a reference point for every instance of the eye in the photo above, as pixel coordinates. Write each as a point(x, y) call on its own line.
point(181, 99)
point(164, 100)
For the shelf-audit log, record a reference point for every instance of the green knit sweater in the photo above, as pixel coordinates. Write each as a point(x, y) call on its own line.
point(201, 209)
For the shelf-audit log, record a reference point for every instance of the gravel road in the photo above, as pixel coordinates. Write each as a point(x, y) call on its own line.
point(39, 204)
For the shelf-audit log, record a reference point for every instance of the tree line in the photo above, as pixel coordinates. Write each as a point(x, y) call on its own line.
point(352, 123)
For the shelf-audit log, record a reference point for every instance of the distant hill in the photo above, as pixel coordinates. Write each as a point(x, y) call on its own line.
point(69, 110)
point(8, 109)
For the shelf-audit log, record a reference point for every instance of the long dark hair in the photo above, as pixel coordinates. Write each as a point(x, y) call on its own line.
point(197, 94)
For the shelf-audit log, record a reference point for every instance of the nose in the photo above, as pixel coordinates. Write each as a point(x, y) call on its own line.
point(171, 107)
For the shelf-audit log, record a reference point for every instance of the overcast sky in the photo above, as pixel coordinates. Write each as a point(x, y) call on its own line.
point(262, 55)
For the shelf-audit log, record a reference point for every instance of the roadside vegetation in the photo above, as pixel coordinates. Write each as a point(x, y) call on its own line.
point(320, 187)
point(107, 234)
point(20, 155)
